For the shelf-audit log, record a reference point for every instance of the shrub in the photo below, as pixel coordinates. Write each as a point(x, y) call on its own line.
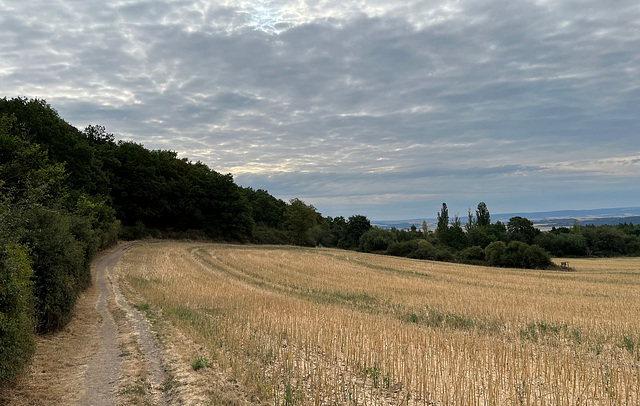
point(493, 253)
point(562, 244)
point(517, 255)
point(475, 253)
point(402, 249)
point(425, 250)
point(269, 235)
point(376, 240)
point(513, 255)
point(59, 266)
point(16, 311)
point(536, 257)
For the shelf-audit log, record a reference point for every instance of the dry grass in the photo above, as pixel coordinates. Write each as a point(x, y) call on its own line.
point(321, 326)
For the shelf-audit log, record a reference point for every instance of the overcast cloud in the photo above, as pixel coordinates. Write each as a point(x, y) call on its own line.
point(366, 107)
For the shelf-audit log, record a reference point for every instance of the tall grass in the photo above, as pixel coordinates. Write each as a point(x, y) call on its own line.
point(320, 326)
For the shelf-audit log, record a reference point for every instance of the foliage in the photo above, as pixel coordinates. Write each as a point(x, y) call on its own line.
point(266, 209)
point(354, 229)
point(521, 229)
point(474, 253)
point(535, 257)
point(563, 244)
point(483, 217)
point(60, 267)
point(402, 248)
point(16, 310)
point(376, 240)
point(517, 255)
point(443, 219)
point(493, 253)
point(50, 226)
point(479, 236)
point(199, 363)
point(300, 218)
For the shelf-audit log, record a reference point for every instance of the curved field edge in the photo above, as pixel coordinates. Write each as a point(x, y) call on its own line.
point(319, 326)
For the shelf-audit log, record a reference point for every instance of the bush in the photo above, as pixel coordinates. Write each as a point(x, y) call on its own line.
point(563, 244)
point(59, 266)
point(376, 240)
point(535, 257)
point(517, 255)
point(479, 236)
point(16, 311)
point(493, 253)
point(475, 253)
point(269, 235)
point(513, 255)
point(136, 232)
point(402, 249)
point(425, 250)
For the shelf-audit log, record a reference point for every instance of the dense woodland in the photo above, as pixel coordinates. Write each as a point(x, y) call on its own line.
point(66, 194)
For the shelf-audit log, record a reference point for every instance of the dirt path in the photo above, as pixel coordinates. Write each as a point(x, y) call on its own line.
point(109, 354)
point(106, 356)
point(105, 375)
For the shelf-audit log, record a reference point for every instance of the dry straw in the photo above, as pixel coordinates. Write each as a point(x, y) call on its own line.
point(321, 326)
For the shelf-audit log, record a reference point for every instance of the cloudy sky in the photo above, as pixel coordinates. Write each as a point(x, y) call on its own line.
point(382, 108)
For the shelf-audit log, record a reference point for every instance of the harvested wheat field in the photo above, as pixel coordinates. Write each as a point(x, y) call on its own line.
point(323, 327)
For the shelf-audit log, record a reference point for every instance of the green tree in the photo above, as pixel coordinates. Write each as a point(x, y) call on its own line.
point(376, 240)
point(266, 209)
point(521, 229)
point(479, 236)
point(300, 218)
point(356, 226)
point(483, 218)
point(493, 253)
point(535, 257)
point(443, 219)
point(471, 221)
point(474, 253)
point(455, 236)
point(61, 141)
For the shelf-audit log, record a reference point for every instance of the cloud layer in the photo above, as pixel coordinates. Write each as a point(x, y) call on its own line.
point(366, 107)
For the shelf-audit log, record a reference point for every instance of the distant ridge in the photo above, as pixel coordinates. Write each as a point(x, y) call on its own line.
point(543, 219)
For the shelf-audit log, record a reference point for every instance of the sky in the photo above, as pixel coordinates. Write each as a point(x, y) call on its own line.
point(381, 108)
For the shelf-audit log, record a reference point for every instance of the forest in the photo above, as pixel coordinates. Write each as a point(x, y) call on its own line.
point(66, 194)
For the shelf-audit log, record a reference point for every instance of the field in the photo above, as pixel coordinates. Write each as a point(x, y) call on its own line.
point(323, 327)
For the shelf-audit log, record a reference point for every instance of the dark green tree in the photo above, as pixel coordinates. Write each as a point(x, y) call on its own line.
point(376, 240)
point(443, 219)
point(483, 218)
point(62, 142)
point(493, 253)
point(266, 209)
point(356, 226)
point(455, 236)
point(471, 222)
point(521, 229)
point(300, 218)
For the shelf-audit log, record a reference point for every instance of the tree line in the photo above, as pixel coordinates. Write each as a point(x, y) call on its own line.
point(66, 194)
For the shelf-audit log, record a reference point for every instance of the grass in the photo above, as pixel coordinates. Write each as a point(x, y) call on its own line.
point(320, 326)
point(199, 363)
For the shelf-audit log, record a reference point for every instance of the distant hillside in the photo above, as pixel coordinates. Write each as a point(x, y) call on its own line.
point(542, 220)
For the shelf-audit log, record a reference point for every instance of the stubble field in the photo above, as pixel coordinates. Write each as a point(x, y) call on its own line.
point(323, 327)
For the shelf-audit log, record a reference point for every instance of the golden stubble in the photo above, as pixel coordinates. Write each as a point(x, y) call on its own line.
point(320, 326)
